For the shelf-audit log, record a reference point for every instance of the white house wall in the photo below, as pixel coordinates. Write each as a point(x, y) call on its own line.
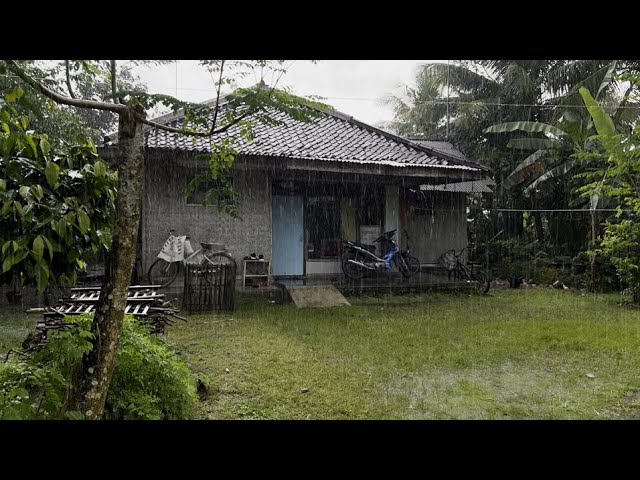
point(434, 230)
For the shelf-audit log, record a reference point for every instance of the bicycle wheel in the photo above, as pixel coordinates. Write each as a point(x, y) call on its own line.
point(483, 282)
point(413, 263)
point(218, 261)
point(350, 270)
point(402, 266)
point(162, 273)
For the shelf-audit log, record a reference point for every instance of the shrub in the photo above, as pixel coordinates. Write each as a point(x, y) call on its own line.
point(150, 382)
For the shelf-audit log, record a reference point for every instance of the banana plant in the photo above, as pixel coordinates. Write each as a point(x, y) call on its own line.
point(555, 150)
point(552, 153)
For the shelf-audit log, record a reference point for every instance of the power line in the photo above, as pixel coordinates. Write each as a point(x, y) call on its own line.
point(556, 210)
point(421, 102)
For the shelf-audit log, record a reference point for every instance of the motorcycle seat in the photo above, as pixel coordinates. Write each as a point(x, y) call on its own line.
point(370, 248)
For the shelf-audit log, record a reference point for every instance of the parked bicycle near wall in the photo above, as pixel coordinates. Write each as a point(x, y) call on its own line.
point(178, 251)
point(359, 259)
point(412, 262)
point(460, 271)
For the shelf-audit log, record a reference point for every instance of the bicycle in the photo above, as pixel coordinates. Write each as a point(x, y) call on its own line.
point(459, 270)
point(412, 262)
point(178, 250)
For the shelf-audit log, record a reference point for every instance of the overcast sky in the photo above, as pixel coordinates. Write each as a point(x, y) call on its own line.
point(354, 87)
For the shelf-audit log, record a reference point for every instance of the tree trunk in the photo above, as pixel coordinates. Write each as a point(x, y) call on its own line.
point(537, 221)
point(98, 366)
point(594, 233)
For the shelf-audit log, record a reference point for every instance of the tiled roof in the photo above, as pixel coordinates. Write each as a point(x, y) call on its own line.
point(440, 147)
point(476, 186)
point(331, 137)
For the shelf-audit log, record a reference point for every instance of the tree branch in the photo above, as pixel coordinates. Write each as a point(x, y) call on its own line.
point(228, 126)
point(56, 97)
point(113, 82)
point(193, 133)
point(66, 62)
point(215, 112)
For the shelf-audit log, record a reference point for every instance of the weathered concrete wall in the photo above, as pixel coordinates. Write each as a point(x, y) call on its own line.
point(392, 208)
point(165, 207)
point(437, 225)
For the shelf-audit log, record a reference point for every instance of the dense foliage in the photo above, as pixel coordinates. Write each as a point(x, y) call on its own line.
point(526, 119)
point(150, 381)
point(86, 79)
point(617, 179)
point(56, 204)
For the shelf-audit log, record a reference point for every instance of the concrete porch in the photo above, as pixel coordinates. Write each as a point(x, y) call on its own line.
point(378, 284)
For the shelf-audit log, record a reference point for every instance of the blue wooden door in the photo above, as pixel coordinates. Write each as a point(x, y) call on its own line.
point(287, 237)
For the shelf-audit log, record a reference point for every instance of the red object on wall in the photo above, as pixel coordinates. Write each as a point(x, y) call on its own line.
point(403, 211)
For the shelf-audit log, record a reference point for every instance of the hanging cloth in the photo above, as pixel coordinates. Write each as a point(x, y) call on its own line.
point(173, 249)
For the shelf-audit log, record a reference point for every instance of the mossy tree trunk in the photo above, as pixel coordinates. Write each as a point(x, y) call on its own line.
point(99, 365)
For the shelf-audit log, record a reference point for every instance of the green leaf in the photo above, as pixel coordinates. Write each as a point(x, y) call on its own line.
point(19, 208)
point(42, 275)
point(533, 143)
point(6, 208)
point(6, 246)
point(3, 184)
point(38, 248)
point(24, 191)
point(532, 166)
point(13, 95)
point(60, 227)
point(602, 121)
point(37, 191)
point(52, 172)
point(45, 146)
point(7, 264)
point(99, 169)
point(608, 77)
point(558, 171)
point(49, 246)
point(530, 127)
point(32, 144)
point(83, 221)
point(74, 415)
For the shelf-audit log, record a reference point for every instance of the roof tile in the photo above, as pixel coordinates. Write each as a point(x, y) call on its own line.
point(328, 138)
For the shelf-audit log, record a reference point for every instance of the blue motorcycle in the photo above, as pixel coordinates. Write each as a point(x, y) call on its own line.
point(359, 259)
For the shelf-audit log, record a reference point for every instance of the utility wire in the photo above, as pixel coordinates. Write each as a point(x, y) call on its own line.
point(432, 102)
point(556, 210)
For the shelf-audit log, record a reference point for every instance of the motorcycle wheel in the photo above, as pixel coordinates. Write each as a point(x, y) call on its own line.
point(351, 270)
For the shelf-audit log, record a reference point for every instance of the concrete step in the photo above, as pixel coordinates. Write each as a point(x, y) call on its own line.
point(316, 296)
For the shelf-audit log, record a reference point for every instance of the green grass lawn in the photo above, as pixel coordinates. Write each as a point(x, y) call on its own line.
point(516, 354)
point(14, 327)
